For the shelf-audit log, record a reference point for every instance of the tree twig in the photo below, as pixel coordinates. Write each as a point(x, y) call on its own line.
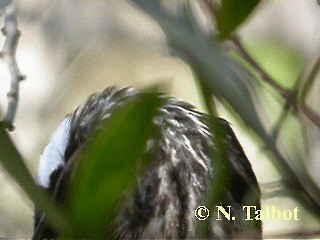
point(207, 62)
point(8, 54)
point(277, 127)
point(293, 235)
point(288, 95)
point(291, 100)
point(284, 93)
point(310, 80)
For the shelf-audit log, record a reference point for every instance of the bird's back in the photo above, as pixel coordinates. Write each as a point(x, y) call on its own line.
point(180, 172)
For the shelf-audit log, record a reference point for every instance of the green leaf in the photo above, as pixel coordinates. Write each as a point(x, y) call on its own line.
point(216, 75)
point(107, 166)
point(220, 80)
point(232, 13)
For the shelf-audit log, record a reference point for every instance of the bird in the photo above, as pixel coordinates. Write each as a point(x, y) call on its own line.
point(177, 180)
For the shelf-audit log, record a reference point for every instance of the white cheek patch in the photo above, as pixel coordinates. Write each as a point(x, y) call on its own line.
point(53, 154)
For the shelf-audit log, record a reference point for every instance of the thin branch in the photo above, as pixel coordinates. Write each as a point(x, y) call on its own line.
point(310, 114)
point(291, 98)
point(206, 61)
point(277, 127)
point(306, 234)
point(285, 111)
point(12, 34)
point(270, 186)
point(291, 101)
point(284, 93)
point(288, 95)
point(294, 235)
point(272, 189)
point(310, 80)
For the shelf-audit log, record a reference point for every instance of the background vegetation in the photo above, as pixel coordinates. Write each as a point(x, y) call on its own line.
point(253, 62)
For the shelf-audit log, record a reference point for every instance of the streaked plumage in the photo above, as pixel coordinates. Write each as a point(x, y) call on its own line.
point(163, 203)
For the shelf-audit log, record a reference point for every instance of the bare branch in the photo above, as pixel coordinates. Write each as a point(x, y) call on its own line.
point(8, 54)
point(272, 189)
point(310, 80)
point(292, 179)
point(284, 93)
point(307, 234)
point(197, 49)
point(294, 235)
point(277, 127)
point(289, 95)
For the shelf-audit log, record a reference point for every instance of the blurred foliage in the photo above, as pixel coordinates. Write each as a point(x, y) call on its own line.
point(220, 80)
point(282, 62)
point(216, 75)
point(129, 128)
point(108, 166)
point(232, 13)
